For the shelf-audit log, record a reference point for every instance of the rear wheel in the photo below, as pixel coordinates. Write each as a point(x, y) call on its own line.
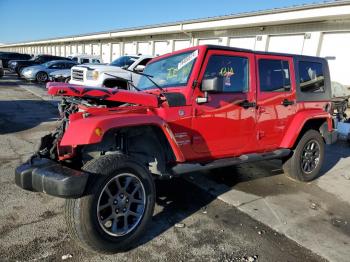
point(306, 161)
point(118, 205)
point(41, 77)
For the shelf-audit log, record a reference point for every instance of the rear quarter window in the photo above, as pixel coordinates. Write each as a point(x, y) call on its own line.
point(311, 77)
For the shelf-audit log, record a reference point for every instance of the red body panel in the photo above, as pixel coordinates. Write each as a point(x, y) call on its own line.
point(200, 132)
point(139, 98)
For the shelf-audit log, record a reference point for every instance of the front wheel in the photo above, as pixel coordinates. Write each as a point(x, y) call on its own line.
point(117, 208)
point(41, 77)
point(306, 161)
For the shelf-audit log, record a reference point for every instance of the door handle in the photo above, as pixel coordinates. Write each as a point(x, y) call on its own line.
point(287, 102)
point(246, 104)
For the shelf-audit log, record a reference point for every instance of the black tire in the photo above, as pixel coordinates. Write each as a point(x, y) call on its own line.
point(41, 77)
point(303, 165)
point(67, 80)
point(19, 71)
point(81, 214)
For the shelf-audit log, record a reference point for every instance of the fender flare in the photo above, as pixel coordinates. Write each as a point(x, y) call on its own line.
point(83, 131)
point(299, 121)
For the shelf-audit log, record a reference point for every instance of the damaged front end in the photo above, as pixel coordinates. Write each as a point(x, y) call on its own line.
point(43, 172)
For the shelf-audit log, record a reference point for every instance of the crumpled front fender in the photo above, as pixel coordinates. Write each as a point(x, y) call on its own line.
point(87, 131)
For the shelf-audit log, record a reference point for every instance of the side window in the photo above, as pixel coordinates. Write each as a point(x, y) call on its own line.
point(274, 75)
point(69, 65)
point(311, 77)
point(233, 70)
point(145, 61)
point(84, 61)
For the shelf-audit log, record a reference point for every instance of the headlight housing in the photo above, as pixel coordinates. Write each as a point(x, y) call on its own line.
point(92, 75)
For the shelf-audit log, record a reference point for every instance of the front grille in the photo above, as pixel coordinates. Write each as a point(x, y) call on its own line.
point(78, 75)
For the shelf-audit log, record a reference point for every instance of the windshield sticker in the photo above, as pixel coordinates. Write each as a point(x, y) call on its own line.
point(187, 59)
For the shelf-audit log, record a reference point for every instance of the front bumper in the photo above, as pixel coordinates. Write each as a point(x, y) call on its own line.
point(47, 176)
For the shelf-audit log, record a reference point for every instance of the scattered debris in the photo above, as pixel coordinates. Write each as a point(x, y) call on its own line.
point(67, 256)
point(261, 232)
point(314, 206)
point(204, 211)
point(249, 258)
point(179, 225)
point(346, 176)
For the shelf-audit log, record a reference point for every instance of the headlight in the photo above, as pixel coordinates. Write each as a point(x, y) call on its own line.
point(92, 75)
point(95, 75)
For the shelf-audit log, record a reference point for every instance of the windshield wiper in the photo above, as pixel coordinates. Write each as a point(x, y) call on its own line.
point(149, 77)
point(129, 81)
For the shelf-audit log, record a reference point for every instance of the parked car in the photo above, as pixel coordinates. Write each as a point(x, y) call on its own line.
point(7, 56)
point(115, 74)
point(62, 75)
point(215, 106)
point(85, 59)
point(1, 69)
point(17, 65)
point(41, 72)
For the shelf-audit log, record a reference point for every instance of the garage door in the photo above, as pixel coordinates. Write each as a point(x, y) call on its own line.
point(115, 51)
point(106, 53)
point(161, 48)
point(212, 41)
point(87, 49)
point(242, 42)
point(181, 44)
point(62, 50)
point(80, 50)
point(96, 49)
point(335, 48)
point(129, 49)
point(68, 52)
point(58, 50)
point(144, 48)
point(292, 44)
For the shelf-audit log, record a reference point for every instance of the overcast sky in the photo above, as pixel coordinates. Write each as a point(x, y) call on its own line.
point(23, 20)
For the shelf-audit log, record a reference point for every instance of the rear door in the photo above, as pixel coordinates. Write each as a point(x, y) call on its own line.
point(275, 99)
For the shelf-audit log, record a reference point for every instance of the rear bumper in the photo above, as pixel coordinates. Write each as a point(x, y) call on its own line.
point(47, 176)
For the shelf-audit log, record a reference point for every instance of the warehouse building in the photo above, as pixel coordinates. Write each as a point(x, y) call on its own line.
point(317, 30)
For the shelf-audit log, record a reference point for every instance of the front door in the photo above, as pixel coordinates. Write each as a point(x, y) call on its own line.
point(225, 125)
point(275, 99)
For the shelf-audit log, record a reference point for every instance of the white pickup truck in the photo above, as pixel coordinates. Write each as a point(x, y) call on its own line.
point(116, 74)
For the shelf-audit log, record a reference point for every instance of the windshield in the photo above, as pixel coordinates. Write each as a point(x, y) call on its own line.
point(170, 71)
point(124, 61)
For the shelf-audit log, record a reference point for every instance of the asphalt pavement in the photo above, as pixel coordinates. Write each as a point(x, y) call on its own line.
point(190, 222)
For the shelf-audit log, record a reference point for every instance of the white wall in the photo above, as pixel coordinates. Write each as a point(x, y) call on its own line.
point(335, 48)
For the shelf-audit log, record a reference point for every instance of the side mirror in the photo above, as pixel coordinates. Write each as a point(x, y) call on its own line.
point(139, 68)
point(212, 85)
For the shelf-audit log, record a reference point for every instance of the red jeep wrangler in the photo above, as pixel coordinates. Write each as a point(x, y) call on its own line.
point(212, 105)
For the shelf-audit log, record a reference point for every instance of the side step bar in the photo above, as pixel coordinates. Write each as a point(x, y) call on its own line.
point(183, 168)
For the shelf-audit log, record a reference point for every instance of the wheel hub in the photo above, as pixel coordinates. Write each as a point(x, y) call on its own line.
point(121, 204)
point(310, 156)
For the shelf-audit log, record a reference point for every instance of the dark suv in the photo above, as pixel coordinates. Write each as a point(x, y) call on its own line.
point(7, 56)
point(18, 65)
